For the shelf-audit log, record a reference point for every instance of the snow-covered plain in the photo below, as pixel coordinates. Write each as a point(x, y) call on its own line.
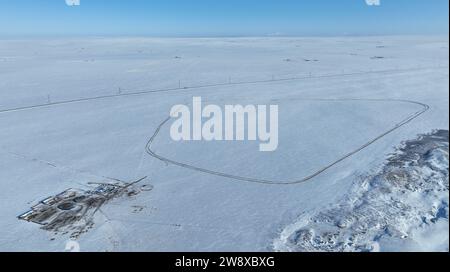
point(107, 97)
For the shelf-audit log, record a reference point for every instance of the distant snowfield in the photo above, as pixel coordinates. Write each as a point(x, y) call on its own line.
point(107, 97)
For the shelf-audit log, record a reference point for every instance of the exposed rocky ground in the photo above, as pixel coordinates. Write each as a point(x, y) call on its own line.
point(392, 207)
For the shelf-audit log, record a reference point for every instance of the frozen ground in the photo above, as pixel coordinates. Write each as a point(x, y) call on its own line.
point(403, 207)
point(75, 112)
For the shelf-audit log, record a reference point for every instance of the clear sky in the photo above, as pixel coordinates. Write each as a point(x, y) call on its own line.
point(222, 17)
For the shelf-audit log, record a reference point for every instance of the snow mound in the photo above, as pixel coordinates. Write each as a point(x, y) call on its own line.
point(403, 207)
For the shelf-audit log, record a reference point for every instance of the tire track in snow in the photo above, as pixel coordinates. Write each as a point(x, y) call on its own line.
point(189, 88)
point(404, 122)
point(60, 167)
point(149, 151)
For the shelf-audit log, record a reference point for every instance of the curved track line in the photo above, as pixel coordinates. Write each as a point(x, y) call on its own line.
point(153, 154)
point(410, 118)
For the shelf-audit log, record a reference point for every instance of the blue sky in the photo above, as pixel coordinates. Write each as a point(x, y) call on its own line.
point(222, 17)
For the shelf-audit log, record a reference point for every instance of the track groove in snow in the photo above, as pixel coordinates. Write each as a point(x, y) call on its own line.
point(144, 92)
point(404, 122)
point(149, 151)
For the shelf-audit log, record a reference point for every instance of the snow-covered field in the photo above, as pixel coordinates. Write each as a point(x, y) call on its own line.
point(78, 112)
